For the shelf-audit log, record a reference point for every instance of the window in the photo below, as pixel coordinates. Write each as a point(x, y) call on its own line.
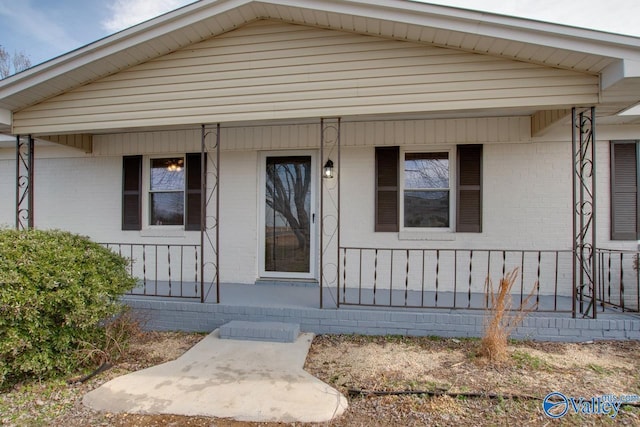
point(427, 195)
point(174, 192)
point(625, 221)
point(426, 190)
point(166, 191)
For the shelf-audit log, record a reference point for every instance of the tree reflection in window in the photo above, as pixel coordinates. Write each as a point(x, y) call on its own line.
point(426, 190)
point(288, 205)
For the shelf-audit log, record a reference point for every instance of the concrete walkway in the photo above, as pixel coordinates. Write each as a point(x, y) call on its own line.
point(242, 380)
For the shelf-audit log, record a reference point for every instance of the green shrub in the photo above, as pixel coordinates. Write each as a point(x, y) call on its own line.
point(57, 290)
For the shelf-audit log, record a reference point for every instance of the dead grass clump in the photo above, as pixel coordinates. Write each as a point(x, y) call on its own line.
point(118, 333)
point(501, 318)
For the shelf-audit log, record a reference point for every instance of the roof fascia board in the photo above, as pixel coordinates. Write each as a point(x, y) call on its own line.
point(481, 23)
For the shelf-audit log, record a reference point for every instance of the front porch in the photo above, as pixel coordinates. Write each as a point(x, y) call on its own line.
point(428, 273)
point(446, 303)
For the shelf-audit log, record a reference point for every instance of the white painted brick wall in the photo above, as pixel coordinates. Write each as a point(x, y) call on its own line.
point(79, 194)
point(7, 192)
point(239, 219)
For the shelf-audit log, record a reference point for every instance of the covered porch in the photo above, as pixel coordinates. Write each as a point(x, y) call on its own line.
point(586, 281)
point(425, 273)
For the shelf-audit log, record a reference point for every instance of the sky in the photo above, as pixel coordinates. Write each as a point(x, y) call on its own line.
point(44, 29)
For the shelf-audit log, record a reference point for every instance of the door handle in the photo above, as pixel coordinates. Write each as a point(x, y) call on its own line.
point(313, 218)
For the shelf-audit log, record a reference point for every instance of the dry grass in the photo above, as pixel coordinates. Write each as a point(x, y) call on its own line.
point(119, 332)
point(502, 319)
point(350, 362)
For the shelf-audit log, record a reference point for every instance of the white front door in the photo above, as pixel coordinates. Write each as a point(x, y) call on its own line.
point(288, 230)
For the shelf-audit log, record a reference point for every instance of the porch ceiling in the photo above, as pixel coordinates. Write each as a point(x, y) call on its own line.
point(552, 45)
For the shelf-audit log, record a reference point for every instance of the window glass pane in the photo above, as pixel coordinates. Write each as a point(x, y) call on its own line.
point(167, 208)
point(288, 214)
point(167, 174)
point(426, 170)
point(426, 209)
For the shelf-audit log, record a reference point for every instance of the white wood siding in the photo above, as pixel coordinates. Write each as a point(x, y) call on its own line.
point(302, 136)
point(272, 70)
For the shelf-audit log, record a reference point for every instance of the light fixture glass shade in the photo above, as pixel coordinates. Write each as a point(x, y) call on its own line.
point(174, 165)
point(328, 169)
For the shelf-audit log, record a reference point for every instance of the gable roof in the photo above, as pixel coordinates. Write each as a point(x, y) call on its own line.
point(616, 58)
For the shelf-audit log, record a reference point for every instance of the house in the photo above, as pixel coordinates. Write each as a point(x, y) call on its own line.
point(379, 153)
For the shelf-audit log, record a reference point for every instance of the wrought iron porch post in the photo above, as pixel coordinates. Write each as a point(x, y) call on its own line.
point(209, 225)
point(24, 182)
point(330, 209)
point(584, 210)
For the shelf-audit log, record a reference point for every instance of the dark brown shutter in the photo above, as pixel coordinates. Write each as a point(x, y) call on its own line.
point(194, 192)
point(624, 190)
point(387, 188)
point(132, 193)
point(469, 186)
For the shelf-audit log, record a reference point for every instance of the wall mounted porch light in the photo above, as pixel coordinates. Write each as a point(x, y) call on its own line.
point(328, 169)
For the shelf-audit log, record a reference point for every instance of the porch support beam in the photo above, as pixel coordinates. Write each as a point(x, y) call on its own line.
point(82, 141)
point(545, 120)
point(210, 221)
point(330, 210)
point(24, 182)
point(584, 216)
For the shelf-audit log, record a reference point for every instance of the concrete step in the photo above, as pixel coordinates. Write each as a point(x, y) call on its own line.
point(260, 331)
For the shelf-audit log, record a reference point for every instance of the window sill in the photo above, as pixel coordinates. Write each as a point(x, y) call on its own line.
point(162, 232)
point(444, 236)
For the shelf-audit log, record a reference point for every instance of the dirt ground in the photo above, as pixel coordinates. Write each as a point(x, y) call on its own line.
point(444, 381)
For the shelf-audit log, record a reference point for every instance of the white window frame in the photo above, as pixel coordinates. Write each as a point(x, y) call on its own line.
point(153, 229)
point(451, 151)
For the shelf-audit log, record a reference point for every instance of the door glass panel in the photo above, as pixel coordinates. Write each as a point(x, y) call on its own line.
point(287, 219)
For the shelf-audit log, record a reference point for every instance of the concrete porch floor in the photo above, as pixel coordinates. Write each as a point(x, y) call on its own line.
point(296, 304)
point(292, 294)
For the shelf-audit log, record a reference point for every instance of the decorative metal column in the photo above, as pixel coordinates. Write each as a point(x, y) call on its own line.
point(24, 182)
point(210, 215)
point(330, 211)
point(584, 217)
